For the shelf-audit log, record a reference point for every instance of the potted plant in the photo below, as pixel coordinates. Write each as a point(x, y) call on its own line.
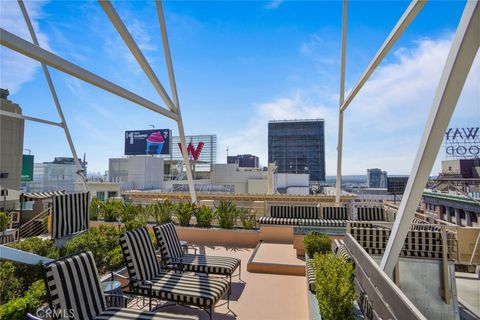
point(227, 214)
point(184, 212)
point(204, 216)
point(247, 218)
point(161, 212)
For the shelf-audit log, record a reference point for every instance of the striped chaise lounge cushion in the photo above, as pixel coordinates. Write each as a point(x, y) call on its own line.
point(171, 251)
point(73, 287)
point(323, 222)
point(142, 265)
point(278, 221)
point(290, 215)
point(310, 275)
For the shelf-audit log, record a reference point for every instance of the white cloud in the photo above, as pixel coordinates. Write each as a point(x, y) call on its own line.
point(274, 4)
point(17, 69)
point(383, 125)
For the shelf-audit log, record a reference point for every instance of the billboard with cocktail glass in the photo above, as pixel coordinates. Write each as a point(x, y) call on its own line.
point(143, 142)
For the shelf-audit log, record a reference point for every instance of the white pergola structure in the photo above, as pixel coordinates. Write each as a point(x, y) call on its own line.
point(459, 62)
point(46, 58)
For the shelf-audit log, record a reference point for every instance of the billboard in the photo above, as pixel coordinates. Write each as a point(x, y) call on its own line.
point(462, 143)
point(27, 167)
point(396, 185)
point(143, 142)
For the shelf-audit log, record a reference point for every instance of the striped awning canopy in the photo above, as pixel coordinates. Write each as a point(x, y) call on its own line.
point(32, 196)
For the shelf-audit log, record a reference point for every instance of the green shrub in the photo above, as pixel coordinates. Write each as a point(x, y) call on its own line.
point(127, 212)
point(4, 221)
point(184, 212)
point(15, 309)
point(204, 216)
point(100, 241)
point(134, 224)
point(7, 276)
point(28, 274)
point(110, 209)
point(334, 286)
point(94, 208)
point(45, 248)
point(317, 243)
point(161, 212)
point(247, 218)
point(226, 213)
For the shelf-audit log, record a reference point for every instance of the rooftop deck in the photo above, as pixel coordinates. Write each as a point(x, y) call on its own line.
point(260, 296)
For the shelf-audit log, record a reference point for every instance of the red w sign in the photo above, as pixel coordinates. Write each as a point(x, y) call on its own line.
point(194, 152)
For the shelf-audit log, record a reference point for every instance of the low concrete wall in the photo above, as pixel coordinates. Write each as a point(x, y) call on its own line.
point(277, 234)
point(219, 237)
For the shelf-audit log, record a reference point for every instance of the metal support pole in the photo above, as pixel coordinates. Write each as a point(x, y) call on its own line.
point(30, 50)
point(136, 52)
point(173, 86)
point(338, 182)
point(21, 116)
point(459, 61)
point(402, 24)
point(55, 97)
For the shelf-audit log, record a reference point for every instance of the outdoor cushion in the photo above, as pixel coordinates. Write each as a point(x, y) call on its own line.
point(134, 314)
point(142, 265)
point(170, 249)
point(73, 287)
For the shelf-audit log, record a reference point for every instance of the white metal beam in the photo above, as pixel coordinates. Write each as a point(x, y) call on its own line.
point(459, 61)
point(135, 50)
point(16, 255)
point(402, 24)
point(28, 49)
point(54, 96)
point(338, 181)
point(173, 86)
point(21, 116)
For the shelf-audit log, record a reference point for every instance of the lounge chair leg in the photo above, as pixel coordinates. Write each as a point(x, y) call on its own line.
point(211, 312)
point(230, 287)
point(240, 271)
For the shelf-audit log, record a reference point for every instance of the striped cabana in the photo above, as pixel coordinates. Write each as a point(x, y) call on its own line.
point(69, 214)
point(33, 196)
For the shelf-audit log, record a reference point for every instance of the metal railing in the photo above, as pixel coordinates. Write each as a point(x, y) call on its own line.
point(36, 226)
point(387, 300)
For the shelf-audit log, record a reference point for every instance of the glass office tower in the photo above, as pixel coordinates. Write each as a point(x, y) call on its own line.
point(298, 146)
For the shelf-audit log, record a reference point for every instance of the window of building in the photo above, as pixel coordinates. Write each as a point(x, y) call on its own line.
point(101, 195)
point(112, 194)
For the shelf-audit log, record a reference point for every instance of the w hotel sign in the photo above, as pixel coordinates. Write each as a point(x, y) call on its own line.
point(462, 143)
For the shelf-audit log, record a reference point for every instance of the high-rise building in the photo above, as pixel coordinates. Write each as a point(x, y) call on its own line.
point(244, 160)
point(201, 148)
point(298, 146)
point(11, 143)
point(58, 175)
point(376, 178)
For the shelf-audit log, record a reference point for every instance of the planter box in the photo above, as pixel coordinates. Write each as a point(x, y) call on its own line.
point(219, 237)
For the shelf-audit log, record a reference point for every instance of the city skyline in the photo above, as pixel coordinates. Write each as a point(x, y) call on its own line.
point(234, 91)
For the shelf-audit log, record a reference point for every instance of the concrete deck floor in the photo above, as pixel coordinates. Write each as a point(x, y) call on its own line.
point(468, 291)
point(261, 297)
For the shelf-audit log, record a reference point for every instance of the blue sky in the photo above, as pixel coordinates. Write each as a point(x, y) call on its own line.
point(238, 65)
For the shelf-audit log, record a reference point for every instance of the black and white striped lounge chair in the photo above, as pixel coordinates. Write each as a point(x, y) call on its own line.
point(148, 280)
point(73, 291)
point(173, 255)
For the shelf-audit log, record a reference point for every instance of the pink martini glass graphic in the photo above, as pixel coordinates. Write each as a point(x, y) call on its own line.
point(155, 143)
